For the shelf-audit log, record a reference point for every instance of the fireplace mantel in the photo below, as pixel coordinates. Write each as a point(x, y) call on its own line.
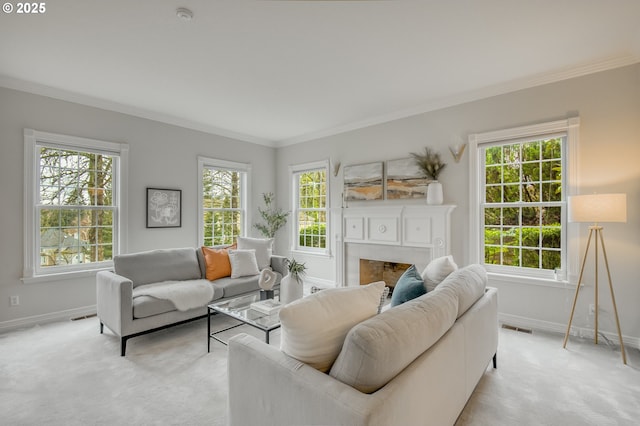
point(407, 226)
point(410, 234)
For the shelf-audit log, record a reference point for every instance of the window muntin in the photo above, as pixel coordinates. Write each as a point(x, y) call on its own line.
point(75, 207)
point(223, 202)
point(523, 204)
point(310, 206)
point(75, 197)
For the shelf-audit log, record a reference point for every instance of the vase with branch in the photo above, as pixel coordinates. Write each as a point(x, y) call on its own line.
point(431, 166)
point(292, 286)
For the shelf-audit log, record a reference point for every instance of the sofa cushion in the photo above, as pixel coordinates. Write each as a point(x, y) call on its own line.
point(147, 306)
point(236, 286)
point(262, 246)
point(377, 349)
point(468, 283)
point(217, 264)
point(243, 263)
point(314, 327)
point(158, 265)
point(408, 287)
point(437, 270)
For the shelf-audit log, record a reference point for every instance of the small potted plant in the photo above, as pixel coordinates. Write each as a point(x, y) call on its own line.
point(291, 286)
point(431, 165)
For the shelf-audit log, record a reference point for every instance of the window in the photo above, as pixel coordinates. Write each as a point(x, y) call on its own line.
point(73, 203)
point(223, 202)
point(521, 184)
point(310, 197)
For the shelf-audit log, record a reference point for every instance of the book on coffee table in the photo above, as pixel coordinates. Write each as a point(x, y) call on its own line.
point(269, 306)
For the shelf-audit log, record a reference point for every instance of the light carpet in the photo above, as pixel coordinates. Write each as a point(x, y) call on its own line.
point(66, 373)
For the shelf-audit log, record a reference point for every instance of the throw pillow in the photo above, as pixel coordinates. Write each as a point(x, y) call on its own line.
point(243, 263)
point(217, 263)
point(408, 287)
point(262, 246)
point(314, 327)
point(437, 270)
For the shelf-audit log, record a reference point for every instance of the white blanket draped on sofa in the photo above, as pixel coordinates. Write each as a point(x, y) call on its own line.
point(184, 295)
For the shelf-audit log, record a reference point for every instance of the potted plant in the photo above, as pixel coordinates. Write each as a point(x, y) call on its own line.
point(291, 286)
point(274, 218)
point(431, 165)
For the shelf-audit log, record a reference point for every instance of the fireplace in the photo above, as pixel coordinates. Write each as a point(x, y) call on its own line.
point(392, 235)
point(380, 270)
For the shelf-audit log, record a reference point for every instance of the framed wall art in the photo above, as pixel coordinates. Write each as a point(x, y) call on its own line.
point(405, 180)
point(363, 182)
point(164, 208)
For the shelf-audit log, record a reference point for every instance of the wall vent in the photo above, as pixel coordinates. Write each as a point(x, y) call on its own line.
point(514, 328)
point(83, 317)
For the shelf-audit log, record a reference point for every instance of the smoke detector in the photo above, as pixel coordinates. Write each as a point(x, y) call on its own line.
point(184, 14)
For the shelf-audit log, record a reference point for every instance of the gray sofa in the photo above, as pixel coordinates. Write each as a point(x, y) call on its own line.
point(128, 315)
point(413, 364)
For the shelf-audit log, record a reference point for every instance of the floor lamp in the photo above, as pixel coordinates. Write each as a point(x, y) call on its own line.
point(595, 209)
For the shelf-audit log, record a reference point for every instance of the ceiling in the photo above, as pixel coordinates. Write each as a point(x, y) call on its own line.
point(281, 72)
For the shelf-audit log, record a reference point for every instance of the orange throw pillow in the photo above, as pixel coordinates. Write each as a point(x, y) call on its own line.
point(217, 262)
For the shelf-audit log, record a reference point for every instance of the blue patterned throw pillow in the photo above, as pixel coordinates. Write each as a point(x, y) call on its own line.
point(409, 286)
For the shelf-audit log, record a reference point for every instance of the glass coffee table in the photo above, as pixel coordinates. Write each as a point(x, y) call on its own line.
point(239, 308)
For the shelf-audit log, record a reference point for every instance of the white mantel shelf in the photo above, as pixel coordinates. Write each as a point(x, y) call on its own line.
point(406, 226)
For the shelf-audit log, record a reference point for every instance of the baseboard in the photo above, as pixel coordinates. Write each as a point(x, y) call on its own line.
point(28, 322)
point(534, 324)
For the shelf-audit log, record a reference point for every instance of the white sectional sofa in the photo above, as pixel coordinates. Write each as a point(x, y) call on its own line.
point(128, 312)
point(413, 364)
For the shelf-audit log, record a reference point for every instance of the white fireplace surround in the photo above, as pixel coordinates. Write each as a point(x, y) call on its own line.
point(400, 234)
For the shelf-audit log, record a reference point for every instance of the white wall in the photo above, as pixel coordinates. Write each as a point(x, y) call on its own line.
point(161, 155)
point(608, 104)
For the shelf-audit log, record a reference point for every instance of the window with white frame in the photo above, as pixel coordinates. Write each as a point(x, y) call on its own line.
point(519, 192)
point(73, 203)
point(223, 201)
point(310, 207)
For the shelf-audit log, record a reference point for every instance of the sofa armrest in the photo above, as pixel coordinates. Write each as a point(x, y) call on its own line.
point(267, 387)
point(114, 298)
point(279, 264)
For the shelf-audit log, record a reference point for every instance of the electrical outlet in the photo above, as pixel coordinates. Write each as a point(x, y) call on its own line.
point(15, 300)
point(592, 309)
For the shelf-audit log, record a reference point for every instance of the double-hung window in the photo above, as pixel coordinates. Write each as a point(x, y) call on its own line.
point(310, 207)
point(519, 189)
point(73, 203)
point(224, 193)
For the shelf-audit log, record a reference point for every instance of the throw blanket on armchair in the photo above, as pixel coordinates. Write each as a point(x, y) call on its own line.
point(184, 295)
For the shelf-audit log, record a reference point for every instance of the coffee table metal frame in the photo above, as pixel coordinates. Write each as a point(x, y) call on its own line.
point(239, 308)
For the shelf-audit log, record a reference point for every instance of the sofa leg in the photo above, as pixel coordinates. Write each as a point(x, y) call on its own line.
point(101, 327)
point(123, 345)
point(495, 360)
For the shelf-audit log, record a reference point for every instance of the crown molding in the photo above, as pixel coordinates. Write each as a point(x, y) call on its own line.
point(486, 92)
point(69, 96)
point(461, 98)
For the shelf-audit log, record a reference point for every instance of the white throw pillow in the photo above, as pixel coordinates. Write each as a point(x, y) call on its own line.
point(437, 270)
point(243, 263)
point(314, 327)
point(262, 246)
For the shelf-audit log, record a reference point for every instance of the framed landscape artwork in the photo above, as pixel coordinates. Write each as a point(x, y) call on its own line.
point(405, 180)
point(164, 208)
point(363, 182)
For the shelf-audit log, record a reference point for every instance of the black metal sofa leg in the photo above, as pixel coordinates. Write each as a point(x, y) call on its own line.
point(495, 360)
point(101, 328)
point(123, 345)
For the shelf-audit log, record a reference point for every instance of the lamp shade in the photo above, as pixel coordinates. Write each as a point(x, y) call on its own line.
point(598, 208)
